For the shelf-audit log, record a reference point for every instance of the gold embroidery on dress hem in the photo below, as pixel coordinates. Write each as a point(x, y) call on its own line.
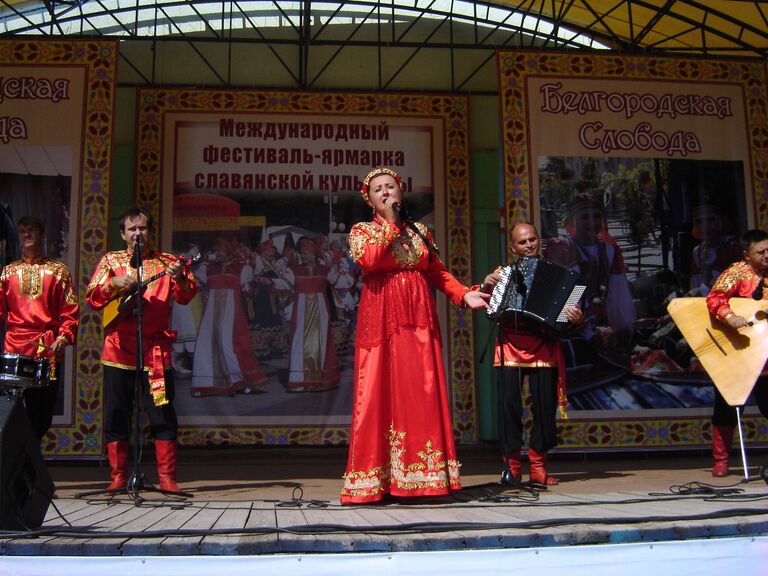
point(429, 472)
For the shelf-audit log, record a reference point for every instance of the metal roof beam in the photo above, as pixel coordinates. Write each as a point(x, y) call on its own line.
point(413, 54)
point(663, 11)
point(598, 18)
point(342, 46)
point(195, 49)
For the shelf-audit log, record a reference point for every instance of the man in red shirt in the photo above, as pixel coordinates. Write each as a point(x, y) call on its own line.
point(528, 350)
point(115, 277)
point(744, 279)
point(39, 308)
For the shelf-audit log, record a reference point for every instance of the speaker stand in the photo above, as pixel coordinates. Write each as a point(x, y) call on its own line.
point(26, 488)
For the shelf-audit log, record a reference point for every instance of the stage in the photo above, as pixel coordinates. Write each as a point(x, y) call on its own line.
point(278, 501)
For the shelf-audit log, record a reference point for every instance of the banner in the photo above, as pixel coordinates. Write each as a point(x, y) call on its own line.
point(266, 186)
point(55, 155)
point(640, 173)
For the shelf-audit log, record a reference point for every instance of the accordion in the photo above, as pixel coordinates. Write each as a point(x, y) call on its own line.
point(537, 289)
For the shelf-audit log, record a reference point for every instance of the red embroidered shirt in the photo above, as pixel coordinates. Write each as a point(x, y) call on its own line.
point(38, 302)
point(120, 341)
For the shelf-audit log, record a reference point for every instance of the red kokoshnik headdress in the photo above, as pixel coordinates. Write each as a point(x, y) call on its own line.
point(365, 188)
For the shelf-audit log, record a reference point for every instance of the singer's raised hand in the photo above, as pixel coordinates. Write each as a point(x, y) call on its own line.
point(390, 210)
point(476, 300)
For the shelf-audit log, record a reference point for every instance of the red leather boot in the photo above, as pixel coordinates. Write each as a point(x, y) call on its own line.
point(165, 452)
point(117, 452)
point(722, 437)
point(538, 468)
point(512, 474)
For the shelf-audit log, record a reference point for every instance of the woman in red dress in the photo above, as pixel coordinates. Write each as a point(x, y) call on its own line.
point(401, 441)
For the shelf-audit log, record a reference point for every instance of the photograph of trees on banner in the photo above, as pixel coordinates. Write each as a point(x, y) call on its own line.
point(640, 232)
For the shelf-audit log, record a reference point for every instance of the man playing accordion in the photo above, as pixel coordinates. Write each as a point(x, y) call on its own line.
point(528, 348)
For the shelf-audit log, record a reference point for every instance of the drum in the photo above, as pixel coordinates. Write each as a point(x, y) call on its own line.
point(19, 370)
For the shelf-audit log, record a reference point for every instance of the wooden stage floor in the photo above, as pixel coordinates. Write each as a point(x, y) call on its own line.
point(285, 500)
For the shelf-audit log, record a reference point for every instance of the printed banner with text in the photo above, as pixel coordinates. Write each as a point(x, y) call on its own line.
point(640, 174)
point(267, 198)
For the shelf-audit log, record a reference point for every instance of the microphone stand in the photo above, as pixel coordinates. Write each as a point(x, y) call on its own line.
point(757, 294)
point(403, 213)
point(136, 479)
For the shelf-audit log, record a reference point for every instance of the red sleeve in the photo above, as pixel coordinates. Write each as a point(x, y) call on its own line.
point(68, 307)
point(100, 290)
point(717, 303)
point(184, 293)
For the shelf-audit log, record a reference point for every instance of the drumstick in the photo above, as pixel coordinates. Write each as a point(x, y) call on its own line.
point(41, 345)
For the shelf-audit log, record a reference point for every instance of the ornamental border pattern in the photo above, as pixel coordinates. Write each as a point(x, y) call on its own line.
point(153, 104)
point(99, 58)
point(514, 66)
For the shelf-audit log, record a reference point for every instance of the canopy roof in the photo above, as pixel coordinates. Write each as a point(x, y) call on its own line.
point(709, 27)
point(705, 27)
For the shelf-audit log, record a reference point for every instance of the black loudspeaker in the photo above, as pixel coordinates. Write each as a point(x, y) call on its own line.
point(26, 487)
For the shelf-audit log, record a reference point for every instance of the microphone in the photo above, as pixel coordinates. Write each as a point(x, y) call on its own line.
point(758, 293)
point(136, 256)
point(399, 209)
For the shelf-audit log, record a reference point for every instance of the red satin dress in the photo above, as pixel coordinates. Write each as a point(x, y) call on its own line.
point(401, 440)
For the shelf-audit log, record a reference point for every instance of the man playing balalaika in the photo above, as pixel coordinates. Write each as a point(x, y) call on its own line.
point(745, 279)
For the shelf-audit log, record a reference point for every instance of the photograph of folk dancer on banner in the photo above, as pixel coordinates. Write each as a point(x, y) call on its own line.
point(272, 331)
point(640, 232)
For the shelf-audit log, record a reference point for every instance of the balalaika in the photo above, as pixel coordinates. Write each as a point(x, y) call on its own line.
point(537, 289)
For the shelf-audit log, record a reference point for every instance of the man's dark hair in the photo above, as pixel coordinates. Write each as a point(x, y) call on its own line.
point(31, 222)
point(752, 237)
point(135, 213)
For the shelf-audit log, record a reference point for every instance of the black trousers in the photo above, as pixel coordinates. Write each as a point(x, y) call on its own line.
point(39, 404)
point(119, 385)
point(725, 415)
point(542, 383)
